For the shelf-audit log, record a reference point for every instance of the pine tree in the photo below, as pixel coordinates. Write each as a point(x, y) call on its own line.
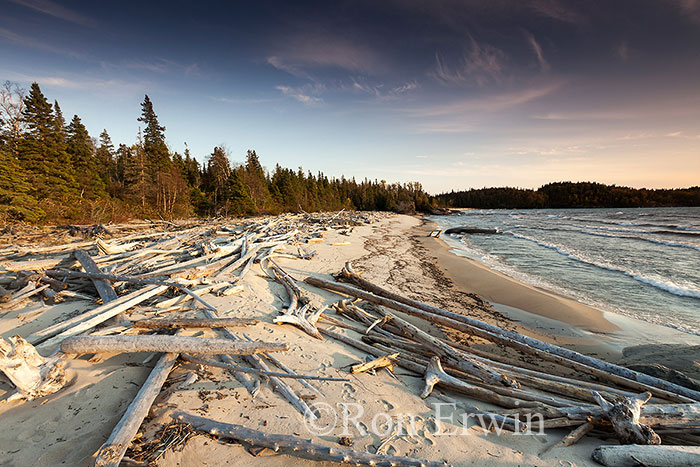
point(43, 152)
point(154, 147)
point(256, 183)
point(219, 171)
point(106, 165)
point(16, 204)
point(82, 152)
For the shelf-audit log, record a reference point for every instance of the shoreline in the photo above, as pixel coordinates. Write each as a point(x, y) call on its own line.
point(562, 318)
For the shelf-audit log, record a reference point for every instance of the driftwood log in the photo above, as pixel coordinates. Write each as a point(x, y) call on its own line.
point(171, 344)
point(624, 416)
point(296, 446)
point(175, 323)
point(104, 288)
point(112, 451)
point(649, 456)
point(33, 375)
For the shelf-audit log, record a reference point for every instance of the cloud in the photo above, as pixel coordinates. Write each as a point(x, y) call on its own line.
point(299, 54)
point(162, 65)
point(544, 66)
point(623, 51)
point(57, 11)
point(26, 41)
point(103, 86)
point(674, 134)
point(299, 95)
point(480, 64)
point(488, 103)
point(689, 8)
point(556, 10)
point(410, 86)
point(233, 100)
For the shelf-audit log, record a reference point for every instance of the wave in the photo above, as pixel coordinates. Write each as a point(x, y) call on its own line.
point(627, 237)
point(660, 284)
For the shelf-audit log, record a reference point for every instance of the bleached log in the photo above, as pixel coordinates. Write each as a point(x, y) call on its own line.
point(112, 451)
point(104, 288)
point(133, 280)
point(573, 437)
point(457, 359)
point(624, 416)
point(169, 344)
point(173, 323)
point(107, 311)
point(549, 352)
point(229, 366)
point(434, 374)
point(649, 456)
point(386, 361)
point(295, 446)
point(33, 375)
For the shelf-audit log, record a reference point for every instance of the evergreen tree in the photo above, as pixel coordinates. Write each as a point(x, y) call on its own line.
point(106, 164)
point(154, 147)
point(42, 150)
point(219, 170)
point(16, 204)
point(82, 152)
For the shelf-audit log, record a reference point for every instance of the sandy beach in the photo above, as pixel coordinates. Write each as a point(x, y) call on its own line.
point(68, 427)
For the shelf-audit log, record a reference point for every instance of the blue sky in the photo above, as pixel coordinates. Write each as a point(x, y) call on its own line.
point(453, 94)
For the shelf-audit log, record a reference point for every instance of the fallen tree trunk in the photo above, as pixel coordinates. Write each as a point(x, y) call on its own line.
point(650, 456)
point(171, 344)
point(104, 288)
point(295, 446)
point(112, 451)
point(174, 323)
point(570, 358)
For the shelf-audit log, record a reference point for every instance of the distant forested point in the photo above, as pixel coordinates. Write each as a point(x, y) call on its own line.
point(53, 171)
point(570, 195)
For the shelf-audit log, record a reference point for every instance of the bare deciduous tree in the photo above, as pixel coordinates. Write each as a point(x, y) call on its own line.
point(12, 124)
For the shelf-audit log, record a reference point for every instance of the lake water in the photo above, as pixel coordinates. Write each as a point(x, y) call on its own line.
point(642, 263)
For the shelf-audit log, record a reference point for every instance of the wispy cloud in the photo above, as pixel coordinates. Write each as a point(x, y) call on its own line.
point(623, 51)
point(488, 103)
point(479, 64)
point(235, 100)
point(300, 95)
point(544, 65)
point(57, 11)
point(556, 9)
point(689, 8)
point(300, 54)
point(163, 65)
point(102, 86)
point(33, 43)
point(674, 134)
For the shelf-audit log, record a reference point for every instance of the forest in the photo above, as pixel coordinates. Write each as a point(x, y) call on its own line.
point(53, 171)
point(570, 195)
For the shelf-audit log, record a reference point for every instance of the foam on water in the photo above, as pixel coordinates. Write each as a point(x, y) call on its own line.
point(623, 261)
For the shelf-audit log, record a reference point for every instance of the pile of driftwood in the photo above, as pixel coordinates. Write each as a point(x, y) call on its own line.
point(587, 394)
point(164, 269)
point(161, 272)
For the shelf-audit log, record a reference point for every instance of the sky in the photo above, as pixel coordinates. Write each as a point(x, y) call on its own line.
point(452, 94)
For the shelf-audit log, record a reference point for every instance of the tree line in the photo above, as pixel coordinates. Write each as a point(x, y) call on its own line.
point(53, 171)
point(570, 195)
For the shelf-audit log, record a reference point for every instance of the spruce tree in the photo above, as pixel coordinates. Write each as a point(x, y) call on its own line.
point(43, 152)
point(82, 152)
point(16, 204)
point(154, 147)
point(106, 164)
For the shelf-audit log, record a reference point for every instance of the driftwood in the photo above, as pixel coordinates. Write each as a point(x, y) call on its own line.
point(624, 416)
point(386, 361)
point(305, 317)
point(174, 323)
point(33, 375)
point(573, 437)
point(550, 352)
point(104, 288)
point(254, 371)
point(295, 446)
point(112, 451)
point(171, 344)
point(101, 314)
point(649, 456)
point(456, 358)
